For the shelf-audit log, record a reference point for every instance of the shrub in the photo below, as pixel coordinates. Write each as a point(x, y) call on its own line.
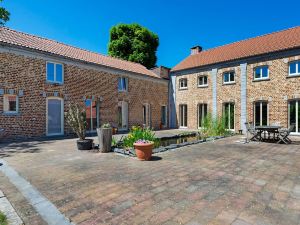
point(106, 125)
point(76, 118)
point(137, 133)
point(214, 126)
point(3, 219)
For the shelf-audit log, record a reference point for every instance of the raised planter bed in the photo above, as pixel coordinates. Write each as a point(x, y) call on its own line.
point(131, 152)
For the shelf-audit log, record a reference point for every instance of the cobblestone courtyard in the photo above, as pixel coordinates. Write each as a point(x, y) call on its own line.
point(221, 182)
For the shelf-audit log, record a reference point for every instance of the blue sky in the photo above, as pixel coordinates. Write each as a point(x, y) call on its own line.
point(179, 24)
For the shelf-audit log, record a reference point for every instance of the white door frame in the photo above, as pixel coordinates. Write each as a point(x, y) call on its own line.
point(124, 117)
point(62, 116)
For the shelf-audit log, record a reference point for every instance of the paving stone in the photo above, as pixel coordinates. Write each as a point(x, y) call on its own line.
point(219, 182)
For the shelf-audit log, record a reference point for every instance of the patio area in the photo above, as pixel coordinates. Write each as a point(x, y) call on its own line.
point(221, 182)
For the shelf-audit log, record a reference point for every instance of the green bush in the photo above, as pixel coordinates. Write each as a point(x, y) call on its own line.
point(3, 219)
point(214, 127)
point(139, 133)
point(76, 118)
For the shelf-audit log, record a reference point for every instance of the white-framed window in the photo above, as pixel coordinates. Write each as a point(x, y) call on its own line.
point(183, 116)
point(202, 114)
point(92, 114)
point(261, 113)
point(163, 116)
point(228, 113)
point(294, 68)
point(202, 81)
point(10, 104)
point(122, 84)
point(55, 72)
point(229, 77)
point(294, 114)
point(183, 83)
point(261, 73)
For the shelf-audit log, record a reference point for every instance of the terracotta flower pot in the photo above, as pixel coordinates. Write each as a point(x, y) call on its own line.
point(143, 151)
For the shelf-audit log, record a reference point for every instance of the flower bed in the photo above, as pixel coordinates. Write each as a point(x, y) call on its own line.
point(131, 152)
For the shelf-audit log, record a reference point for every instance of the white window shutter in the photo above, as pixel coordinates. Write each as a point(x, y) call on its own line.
point(125, 115)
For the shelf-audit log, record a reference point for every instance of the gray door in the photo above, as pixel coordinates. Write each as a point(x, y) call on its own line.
point(54, 116)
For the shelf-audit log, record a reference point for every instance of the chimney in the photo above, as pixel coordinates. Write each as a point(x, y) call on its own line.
point(161, 71)
point(195, 50)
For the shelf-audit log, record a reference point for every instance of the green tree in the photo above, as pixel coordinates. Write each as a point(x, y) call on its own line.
point(4, 15)
point(134, 43)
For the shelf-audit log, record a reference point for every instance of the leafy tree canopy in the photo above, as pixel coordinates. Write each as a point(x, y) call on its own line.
point(4, 15)
point(134, 43)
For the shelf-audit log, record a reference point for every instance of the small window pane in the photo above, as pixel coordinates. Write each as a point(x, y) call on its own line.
point(257, 73)
point(50, 72)
point(264, 109)
point(226, 77)
point(205, 80)
point(231, 76)
point(10, 103)
point(293, 67)
point(265, 72)
point(59, 73)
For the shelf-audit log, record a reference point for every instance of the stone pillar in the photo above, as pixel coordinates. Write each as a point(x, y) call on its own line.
point(243, 68)
point(214, 73)
point(172, 102)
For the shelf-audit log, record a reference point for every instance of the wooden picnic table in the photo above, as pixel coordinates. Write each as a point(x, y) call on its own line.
point(267, 130)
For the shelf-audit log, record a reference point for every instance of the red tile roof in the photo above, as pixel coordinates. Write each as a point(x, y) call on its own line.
point(277, 41)
point(16, 38)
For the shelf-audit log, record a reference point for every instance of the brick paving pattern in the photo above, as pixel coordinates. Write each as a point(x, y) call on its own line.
point(220, 182)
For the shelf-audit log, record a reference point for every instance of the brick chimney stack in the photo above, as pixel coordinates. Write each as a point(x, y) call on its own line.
point(195, 50)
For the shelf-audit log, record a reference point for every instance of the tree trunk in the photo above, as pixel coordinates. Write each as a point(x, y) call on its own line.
point(105, 138)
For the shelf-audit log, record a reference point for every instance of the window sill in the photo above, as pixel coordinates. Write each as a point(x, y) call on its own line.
point(203, 86)
point(180, 89)
point(259, 80)
point(11, 114)
point(54, 83)
point(122, 91)
point(182, 127)
point(293, 75)
point(229, 83)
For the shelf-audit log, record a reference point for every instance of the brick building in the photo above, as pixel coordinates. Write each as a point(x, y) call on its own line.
point(40, 77)
point(255, 80)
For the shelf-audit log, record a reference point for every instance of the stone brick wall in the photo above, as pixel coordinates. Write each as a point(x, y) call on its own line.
point(227, 93)
point(192, 96)
point(25, 74)
point(278, 90)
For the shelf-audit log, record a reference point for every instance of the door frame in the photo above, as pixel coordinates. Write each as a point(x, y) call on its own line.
point(97, 115)
point(62, 116)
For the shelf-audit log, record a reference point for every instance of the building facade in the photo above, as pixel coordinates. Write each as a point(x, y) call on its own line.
point(39, 78)
point(256, 80)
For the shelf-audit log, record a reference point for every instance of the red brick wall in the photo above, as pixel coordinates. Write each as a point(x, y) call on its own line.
point(18, 72)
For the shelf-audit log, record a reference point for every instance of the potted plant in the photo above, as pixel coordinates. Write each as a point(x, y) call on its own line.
point(143, 149)
point(76, 118)
point(142, 139)
point(105, 137)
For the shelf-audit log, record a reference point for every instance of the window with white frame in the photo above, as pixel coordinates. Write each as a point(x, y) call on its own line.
point(183, 83)
point(55, 72)
point(294, 114)
point(202, 81)
point(294, 68)
point(183, 115)
point(202, 114)
point(261, 72)
point(228, 113)
point(122, 84)
point(229, 77)
point(163, 115)
point(261, 113)
point(10, 104)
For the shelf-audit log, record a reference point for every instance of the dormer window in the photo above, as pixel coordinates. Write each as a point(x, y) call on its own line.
point(55, 73)
point(183, 83)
